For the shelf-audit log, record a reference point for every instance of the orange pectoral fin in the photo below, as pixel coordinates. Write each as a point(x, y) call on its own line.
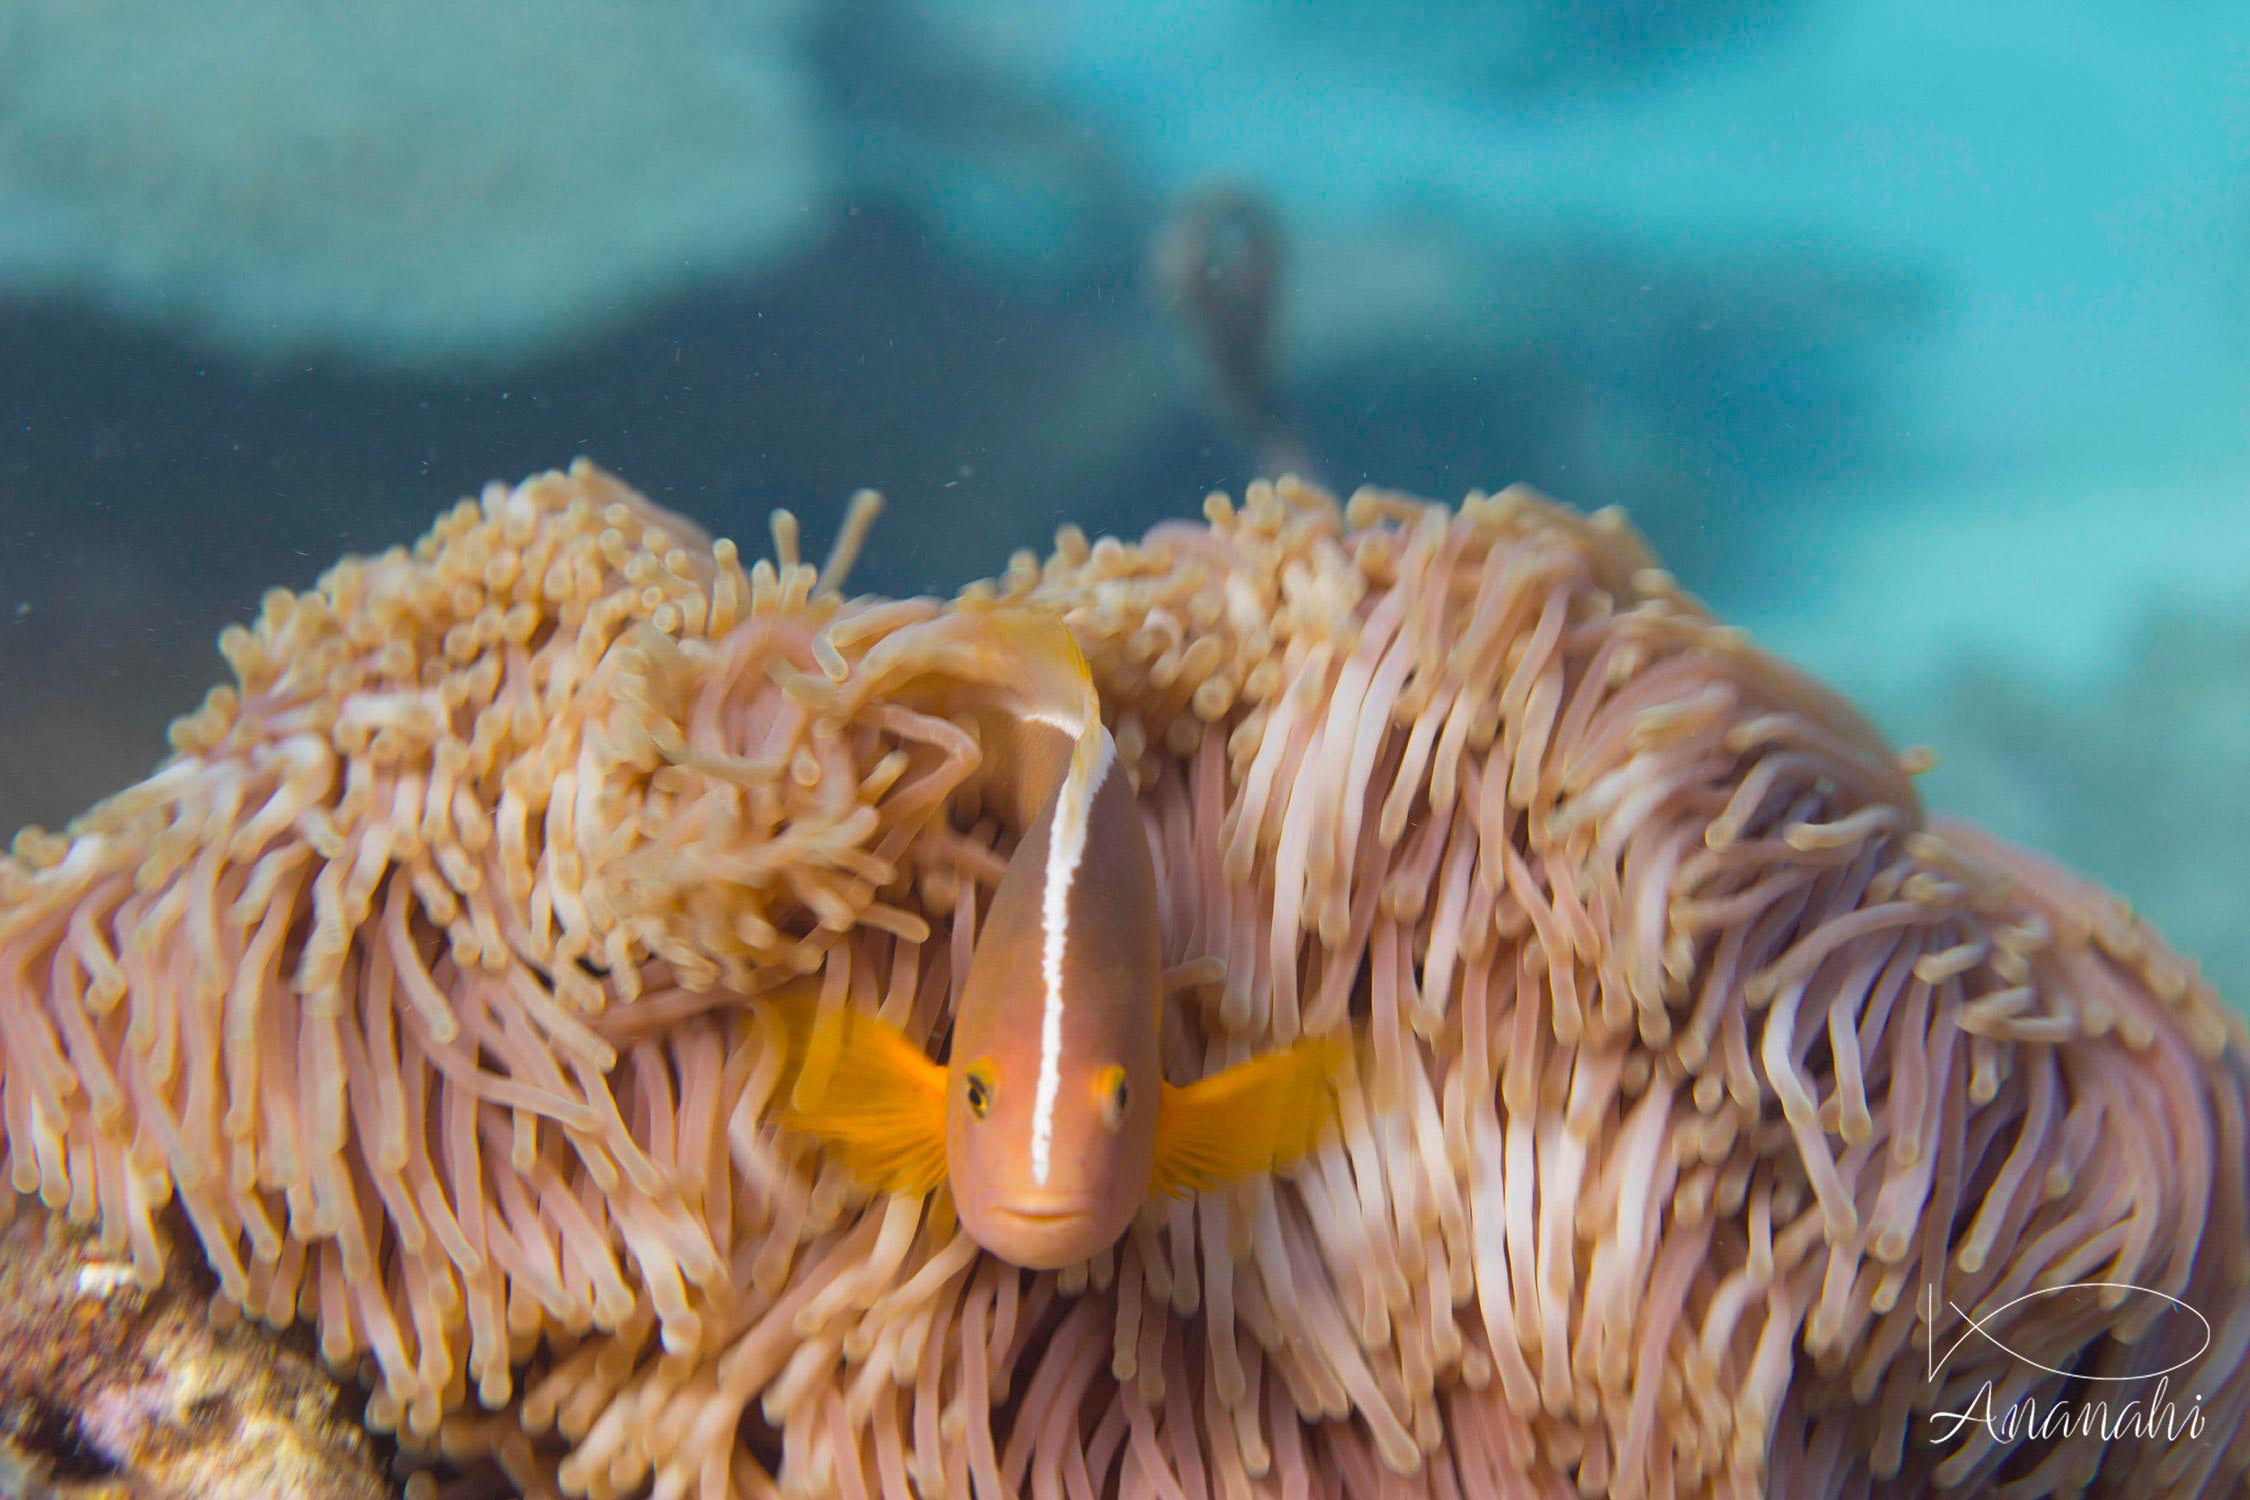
point(1256, 1116)
point(866, 1091)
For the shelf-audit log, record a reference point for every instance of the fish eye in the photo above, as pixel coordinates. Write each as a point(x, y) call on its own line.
point(1114, 1094)
point(978, 1090)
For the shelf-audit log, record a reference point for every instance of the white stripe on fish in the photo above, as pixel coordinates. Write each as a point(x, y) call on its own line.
point(1066, 845)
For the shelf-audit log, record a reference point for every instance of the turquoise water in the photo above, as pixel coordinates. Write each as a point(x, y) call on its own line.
point(1914, 335)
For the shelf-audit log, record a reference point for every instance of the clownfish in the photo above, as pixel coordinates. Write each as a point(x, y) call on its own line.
point(1051, 1123)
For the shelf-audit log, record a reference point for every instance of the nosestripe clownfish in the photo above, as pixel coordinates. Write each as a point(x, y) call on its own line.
point(1051, 1122)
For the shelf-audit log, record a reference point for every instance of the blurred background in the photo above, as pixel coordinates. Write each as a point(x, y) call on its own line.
point(1914, 333)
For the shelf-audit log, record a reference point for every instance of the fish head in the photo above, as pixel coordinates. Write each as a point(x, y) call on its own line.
point(1099, 1153)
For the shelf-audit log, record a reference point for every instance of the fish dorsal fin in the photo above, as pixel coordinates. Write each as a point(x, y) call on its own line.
point(1013, 673)
point(1049, 692)
point(865, 1090)
point(1047, 670)
point(1256, 1116)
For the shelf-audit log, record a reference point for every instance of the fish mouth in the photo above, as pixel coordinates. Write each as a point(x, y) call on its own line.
point(1040, 1235)
point(1046, 1214)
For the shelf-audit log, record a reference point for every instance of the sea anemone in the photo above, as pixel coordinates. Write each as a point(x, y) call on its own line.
point(1719, 1117)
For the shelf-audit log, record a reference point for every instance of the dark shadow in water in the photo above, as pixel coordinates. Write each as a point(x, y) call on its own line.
point(151, 490)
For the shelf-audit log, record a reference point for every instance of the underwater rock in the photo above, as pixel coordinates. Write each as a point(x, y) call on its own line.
point(112, 1392)
point(399, 184)
point(2098, 778)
